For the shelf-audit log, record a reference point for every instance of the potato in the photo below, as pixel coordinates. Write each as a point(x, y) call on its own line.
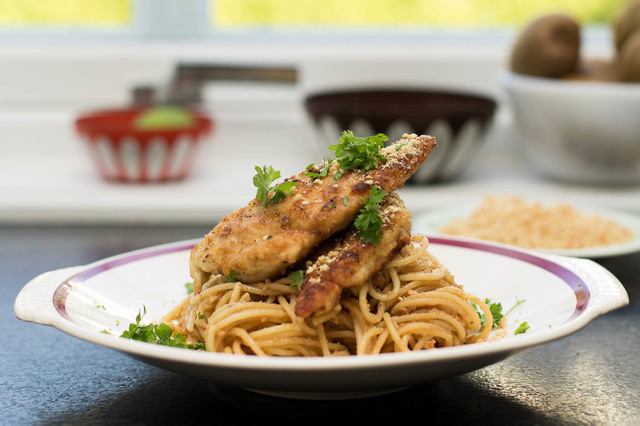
point(626, 22)
point(629, 58)
point(548, 47)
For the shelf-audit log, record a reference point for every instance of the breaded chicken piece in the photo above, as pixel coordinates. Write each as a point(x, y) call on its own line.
point(260, 243)
point(351, 262)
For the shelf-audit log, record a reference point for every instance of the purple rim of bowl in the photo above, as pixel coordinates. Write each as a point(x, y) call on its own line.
point(580, 290)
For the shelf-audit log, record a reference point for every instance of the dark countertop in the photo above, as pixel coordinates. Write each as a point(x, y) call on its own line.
point(48, 377)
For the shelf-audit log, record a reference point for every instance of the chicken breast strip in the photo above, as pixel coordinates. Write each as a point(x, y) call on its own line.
point(260, 243)
point(351, 262)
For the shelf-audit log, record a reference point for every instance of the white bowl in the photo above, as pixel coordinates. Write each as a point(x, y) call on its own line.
point(579, 131)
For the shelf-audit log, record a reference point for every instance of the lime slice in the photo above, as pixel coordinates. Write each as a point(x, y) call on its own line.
point(163, 118)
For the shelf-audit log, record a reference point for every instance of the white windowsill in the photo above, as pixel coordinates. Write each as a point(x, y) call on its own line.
point(45, 174)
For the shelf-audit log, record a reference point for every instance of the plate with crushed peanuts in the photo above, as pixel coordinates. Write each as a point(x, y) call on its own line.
point(554, 228)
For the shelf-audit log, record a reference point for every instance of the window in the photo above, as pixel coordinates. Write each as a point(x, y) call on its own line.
point(211, 18)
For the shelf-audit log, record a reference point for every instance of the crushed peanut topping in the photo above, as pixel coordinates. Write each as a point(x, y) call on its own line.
point(511, 220)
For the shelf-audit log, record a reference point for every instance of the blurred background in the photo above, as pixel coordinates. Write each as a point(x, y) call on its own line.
point(219, 15)
point(251, 66)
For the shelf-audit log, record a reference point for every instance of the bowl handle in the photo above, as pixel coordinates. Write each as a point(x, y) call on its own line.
point(608, 291)
point(35, 301)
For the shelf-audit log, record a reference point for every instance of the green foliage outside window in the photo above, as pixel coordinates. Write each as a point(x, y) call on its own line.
point(399, 13)
point(314, 13)
point(95, 13)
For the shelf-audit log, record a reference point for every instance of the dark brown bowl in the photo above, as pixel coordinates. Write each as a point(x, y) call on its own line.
point(458, 122)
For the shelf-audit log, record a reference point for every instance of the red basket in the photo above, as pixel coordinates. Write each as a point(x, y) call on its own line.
point(125, 154)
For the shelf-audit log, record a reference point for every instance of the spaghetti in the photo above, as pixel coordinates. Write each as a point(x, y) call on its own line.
point(412, 304)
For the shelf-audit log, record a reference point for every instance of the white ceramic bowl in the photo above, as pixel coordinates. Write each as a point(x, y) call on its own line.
point(578, 131)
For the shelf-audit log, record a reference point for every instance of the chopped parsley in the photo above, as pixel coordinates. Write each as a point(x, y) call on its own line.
point(200, 315)
point(496, 312)
point(232, 277)
point(100, 307)
point(263, 180)
point(361, 153)
point(368, 221)
point(296, 278)
point(160, 334)
point(522, 328)
point(324, 170)
point(189, 287)
point(345, 201)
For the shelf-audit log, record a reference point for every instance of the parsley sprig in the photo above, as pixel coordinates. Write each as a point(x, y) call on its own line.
point(356, 152)
point(496, 313)
point(296, 278)
point(232, 277)
point(368, 221)
point(160, 334)
point(263, 180)
point(323, 171)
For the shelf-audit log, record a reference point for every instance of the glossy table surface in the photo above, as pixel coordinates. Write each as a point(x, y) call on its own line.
point(48, 377)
